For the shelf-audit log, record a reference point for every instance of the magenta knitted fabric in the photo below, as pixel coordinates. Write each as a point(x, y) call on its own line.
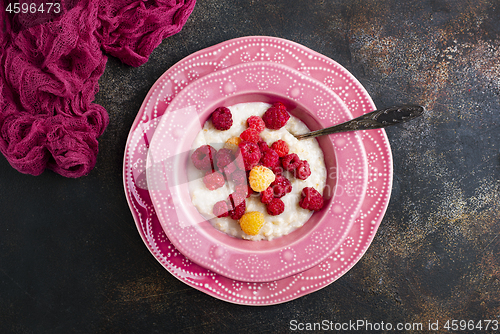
point(50, 65)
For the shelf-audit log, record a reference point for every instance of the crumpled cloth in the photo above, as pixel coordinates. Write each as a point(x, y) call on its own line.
point(50, 66)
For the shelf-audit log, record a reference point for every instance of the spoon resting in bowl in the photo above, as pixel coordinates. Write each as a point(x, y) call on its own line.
point(373, 120)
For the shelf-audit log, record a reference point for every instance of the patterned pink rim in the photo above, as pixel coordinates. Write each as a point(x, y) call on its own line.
point(233, 52)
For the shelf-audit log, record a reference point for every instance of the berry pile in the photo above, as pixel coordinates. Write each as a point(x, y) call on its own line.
point(280, 147)
point(252, 166)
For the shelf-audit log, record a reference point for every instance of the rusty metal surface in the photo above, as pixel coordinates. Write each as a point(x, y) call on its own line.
point(71, 260)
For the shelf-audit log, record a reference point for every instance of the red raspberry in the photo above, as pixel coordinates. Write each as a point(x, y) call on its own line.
point(311, 199)
point(281, 186)
point(238, 161)
point(238, 177)
point(275, 207)
point(224, 157)
point(222, 119)
point(250, 135)
point(256, 123)
point(243, 189)
point(267, 195)
point(229, 169)
point(290, 162)
point(251, 154)
point(236, 198)
point(203, 157)
point(275, 118)
point(279, 105)
point(235, 164)
point(213, 180)
point(238, 211)
point(221, 209)
point(270, 158)
point(278, 169)
point(262, 145)
point(281, 147)
point(303, 170)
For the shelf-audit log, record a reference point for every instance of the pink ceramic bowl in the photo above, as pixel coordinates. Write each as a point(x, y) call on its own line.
point(194, 236)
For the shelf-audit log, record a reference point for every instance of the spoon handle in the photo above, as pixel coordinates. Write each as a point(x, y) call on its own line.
point(373, 120)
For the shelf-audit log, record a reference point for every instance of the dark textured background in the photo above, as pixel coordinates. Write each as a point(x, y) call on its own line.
point(72, 261)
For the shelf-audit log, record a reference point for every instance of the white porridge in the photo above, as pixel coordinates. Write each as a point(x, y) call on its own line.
point(274, 226)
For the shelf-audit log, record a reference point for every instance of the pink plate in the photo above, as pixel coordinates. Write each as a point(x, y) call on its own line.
point(232, 52)
point(169, 157)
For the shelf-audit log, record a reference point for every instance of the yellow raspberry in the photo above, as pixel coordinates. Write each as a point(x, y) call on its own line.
point(260, 178)
point(232, 143)
point(251, 222)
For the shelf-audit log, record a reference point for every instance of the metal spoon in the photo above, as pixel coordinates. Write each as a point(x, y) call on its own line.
point(373, 120)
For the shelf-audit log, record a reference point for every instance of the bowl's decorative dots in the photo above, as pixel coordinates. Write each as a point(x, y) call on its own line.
point(186, 262)
point(228, 88)
point(295, 92)
point(178, 132)
point(310, 249)
point(348, 242)
point(237, 286)
point(240, 264)
point(340, 142)
point(317, 238)
point(372, 158)
point(274, 79)
point(329, 81)
point(279, 57)
point(288, 255)
point(325, 266)
point(329, 233)
point(193, 75)
point(217, 252)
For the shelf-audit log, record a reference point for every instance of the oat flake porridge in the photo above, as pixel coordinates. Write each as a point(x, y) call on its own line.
point(274, 226)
